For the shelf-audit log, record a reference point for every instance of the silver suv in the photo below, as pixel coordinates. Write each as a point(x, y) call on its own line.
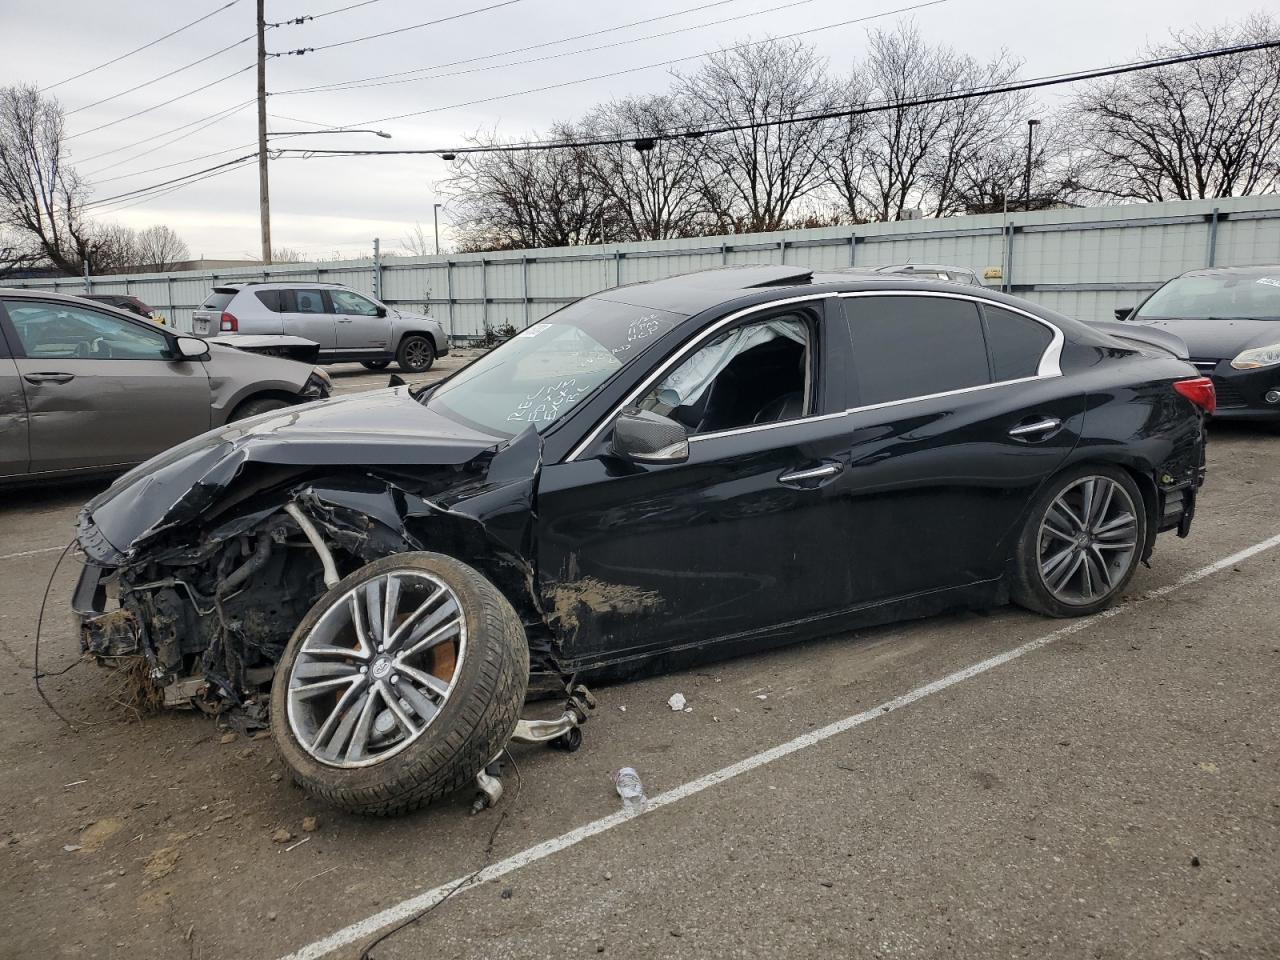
point(346, 325)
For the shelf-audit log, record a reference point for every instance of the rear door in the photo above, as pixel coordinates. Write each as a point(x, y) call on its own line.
point(101, 389)
point(308, 314)
point(959, 415)
point(360, 329)
point(14, 454)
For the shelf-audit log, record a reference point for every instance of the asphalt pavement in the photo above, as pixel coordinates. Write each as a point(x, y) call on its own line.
point(967, 785)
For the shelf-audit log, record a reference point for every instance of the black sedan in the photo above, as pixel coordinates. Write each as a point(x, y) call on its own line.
point(1230, 321)
point(655, 474)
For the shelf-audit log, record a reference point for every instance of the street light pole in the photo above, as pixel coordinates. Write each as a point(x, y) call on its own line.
point(264, 200)
point(435, 218)
point(1026, 184)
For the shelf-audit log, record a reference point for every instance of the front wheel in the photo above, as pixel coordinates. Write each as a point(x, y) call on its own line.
point(400, 684)
point(1081, 543)
point(416, 354)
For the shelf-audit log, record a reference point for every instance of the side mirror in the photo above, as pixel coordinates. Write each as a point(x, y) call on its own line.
point(191, 348)
point(646, 437)
point(1122, 313)
point(380, 311)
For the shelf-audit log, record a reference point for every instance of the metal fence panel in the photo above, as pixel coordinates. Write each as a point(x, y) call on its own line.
point(1083, 262)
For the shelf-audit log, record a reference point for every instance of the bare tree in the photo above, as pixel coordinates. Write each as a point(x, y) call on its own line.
point(653, 193)
point(752, 178)
point(417, 243)
point(287, 255)
point(1208, 128)
point(41, 198)
point(161, 247)
point(515, 199)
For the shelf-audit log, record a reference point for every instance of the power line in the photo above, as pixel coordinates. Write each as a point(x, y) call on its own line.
point(877, 107)
point(328, 13)
point(130, 194)
point(181, 96)
point(138, 201)
point(362, 81)
point(416, 26)
point(163, 76)
point(580, 50)
point(651, 66)
point(145, 46)
point(212, 118)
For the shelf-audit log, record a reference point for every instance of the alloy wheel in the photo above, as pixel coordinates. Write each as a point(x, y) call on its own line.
point(374, 672)
point(418, 353)
point(1088, 540)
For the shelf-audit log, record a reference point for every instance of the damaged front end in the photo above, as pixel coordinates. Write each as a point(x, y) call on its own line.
point(201, 564)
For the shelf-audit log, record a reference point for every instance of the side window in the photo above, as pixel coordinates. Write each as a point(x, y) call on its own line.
point(352, 304)
point(1016, 343)
point(273, 300)
point(65, 332)
point(907, 347)
point(752, 374)
point(309, 301)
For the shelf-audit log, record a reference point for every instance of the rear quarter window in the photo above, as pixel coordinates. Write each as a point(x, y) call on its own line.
point(1017, 343)
point(273, 300)
point(906, 347)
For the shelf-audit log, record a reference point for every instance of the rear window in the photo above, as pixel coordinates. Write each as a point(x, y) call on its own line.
point(219, 299)
point(273, 300)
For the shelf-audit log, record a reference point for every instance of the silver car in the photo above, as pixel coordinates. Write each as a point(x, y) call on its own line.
point(346, 325)
point(86, 389)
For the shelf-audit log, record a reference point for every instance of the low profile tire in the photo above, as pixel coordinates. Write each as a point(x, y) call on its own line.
point(375, 364)
point(251, 408)
point(1081, 543)
point(416, 354)
point(439, 635)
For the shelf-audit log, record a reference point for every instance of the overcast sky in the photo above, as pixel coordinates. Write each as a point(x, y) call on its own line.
point(340, 204)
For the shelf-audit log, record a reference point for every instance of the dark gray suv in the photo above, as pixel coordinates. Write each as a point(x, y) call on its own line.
point(345, 324)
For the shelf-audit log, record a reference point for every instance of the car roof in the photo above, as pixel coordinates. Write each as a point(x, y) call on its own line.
point(241, 285)
point(1254, 271)
point(930, 267)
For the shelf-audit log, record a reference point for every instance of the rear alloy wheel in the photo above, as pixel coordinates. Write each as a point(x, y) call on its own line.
point(400, 685)
point(1082, 543)
point(416, 354)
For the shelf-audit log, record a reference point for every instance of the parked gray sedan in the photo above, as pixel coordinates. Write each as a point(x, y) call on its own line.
point(88, 389)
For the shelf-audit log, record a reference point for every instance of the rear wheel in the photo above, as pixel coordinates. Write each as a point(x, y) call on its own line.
point(375, 364)
point(416, 353)
point(400, 684)
point(1081, 543)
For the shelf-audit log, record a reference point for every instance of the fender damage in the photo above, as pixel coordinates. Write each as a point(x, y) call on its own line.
point(206, 575)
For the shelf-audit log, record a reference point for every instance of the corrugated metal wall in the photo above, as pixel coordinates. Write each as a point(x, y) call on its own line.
point(1082, 262)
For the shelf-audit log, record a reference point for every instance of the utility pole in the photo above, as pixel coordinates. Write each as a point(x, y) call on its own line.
point(264, 198)
point(435, 219)
point(1026, 184)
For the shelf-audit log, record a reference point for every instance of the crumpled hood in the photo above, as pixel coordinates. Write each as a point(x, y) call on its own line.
point(1219, 339)
point(382, 428)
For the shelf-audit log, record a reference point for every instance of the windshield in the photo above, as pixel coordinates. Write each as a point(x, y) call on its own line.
point(547, 369)
point(1226, 296)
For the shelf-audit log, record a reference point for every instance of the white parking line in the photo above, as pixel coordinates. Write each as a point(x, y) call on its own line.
point(407, 908)
point(30, 553)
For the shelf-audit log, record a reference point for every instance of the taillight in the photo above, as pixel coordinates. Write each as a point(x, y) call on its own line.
point(229, 323)
point(1199, 390)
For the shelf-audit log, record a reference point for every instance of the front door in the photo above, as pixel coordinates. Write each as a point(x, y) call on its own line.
point(308, 316)
point(734, 540)
point(360, 329)
point(101, 390)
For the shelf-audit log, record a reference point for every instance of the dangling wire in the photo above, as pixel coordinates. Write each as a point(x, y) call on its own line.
point(36, 674)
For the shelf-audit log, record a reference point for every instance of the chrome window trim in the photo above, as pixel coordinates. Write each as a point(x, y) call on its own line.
point(1049, 366)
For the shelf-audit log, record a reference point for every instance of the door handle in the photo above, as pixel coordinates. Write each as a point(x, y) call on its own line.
point(345, 320)
point(1036, 429)
point(812, 473)
point(48, 377)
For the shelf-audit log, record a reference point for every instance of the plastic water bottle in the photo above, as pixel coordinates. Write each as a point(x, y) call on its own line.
point(630, 789)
